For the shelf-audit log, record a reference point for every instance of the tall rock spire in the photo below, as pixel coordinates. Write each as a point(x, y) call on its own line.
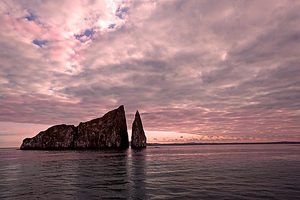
point(138, 138)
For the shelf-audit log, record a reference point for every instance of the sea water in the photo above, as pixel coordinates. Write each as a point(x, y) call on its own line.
point(269, 171)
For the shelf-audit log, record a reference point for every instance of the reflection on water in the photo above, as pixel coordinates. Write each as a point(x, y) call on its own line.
point(138, 174)
point(101, 175)
point(178, 172)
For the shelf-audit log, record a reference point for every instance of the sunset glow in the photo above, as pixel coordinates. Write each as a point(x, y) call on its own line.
point(197, 71)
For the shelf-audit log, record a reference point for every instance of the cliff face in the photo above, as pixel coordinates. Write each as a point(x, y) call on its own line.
point(138, 138)
point(55, 137)
point(109, 131)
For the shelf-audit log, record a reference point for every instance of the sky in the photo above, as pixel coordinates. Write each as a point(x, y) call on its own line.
point(197, 71)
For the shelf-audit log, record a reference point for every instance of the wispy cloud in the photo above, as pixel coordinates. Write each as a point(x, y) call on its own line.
point(226, 70)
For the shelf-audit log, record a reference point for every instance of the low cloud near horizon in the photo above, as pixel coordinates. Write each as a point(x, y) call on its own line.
point(223, 71)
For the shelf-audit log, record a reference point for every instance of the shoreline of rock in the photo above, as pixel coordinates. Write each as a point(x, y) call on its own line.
point(107, 132)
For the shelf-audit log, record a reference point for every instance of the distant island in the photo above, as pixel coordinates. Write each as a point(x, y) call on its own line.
point(219, 143)
point(109, 131)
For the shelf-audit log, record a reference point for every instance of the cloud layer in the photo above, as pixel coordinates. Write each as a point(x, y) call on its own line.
point(223, 71)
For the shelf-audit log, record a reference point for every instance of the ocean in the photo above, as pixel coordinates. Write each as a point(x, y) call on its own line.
point(270, 171)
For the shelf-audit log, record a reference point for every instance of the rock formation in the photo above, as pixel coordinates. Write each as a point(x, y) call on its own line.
point(55, 137)
point(109, 131)
point(138, 138)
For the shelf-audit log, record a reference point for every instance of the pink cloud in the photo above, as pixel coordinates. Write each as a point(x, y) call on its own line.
point(217, 71)
point(59, 27)
point(13, 133)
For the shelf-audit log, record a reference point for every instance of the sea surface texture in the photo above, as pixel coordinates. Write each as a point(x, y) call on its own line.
point(160, 172)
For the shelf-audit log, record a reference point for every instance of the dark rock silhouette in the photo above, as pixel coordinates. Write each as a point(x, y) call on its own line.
point(109, 131)
point(55, 137)
point(138, 138)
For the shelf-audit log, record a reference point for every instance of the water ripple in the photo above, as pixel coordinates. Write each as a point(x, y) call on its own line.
point(168, 172)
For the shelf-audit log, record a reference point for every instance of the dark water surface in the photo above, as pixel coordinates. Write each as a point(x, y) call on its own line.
point(163, 172)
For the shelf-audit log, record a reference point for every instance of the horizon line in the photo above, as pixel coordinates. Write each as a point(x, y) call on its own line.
point(204, 143)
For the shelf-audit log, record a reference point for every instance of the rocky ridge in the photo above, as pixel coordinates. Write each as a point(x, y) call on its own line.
point(109, 131)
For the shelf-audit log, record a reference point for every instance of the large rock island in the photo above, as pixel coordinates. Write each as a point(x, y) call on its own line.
point(109, 131)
